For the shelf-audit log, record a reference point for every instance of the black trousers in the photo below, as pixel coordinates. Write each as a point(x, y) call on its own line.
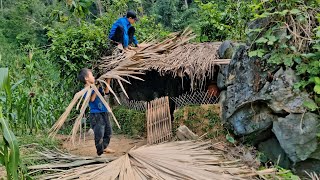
point(118, 36)
point(102, 130)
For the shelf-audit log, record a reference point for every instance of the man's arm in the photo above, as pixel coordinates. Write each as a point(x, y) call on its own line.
point(125, 39)
point(135, 41)
point(93, 96)
point(113, 29)
point(106, 90)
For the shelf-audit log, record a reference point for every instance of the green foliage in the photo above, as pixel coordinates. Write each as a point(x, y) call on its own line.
point(23, 22)
point(79, 8)
point(200, 120)
point(34, 97)
point(220, 20)
point(286, 40)
point(286, 174)
point(153, 30)
point(9, 149)
point(39, 140)
point(282, 173)
point(186, 17)
point(77, 47)
point(166, 11)
point(133, 123)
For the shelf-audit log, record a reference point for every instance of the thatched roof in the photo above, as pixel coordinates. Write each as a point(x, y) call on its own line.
point(196, 61)
point(173, 56)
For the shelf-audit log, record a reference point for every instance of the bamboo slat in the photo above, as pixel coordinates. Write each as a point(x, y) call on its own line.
point(159, 127)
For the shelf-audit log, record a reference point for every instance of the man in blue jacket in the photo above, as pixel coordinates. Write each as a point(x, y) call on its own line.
point(122, 31)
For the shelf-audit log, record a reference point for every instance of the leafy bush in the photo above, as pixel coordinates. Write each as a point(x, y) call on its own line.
point(290, 37)
point(166, 11)
point(35, 95)
point(147, 28)
point(9, 148)
point(23, 22)
point(133, 123)
point(220, 20)
point(77, 47)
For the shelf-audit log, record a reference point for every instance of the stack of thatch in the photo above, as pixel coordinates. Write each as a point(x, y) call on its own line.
point(174, 160)
point(172, 56)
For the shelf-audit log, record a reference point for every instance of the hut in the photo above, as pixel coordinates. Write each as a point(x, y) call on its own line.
point(173, 68)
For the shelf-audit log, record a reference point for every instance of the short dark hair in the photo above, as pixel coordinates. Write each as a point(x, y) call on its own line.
point(132, 14)
point(83, 74)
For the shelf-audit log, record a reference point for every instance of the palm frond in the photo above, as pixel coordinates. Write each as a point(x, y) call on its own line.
point(57, 126)
point(171, 56)
point(168, 161)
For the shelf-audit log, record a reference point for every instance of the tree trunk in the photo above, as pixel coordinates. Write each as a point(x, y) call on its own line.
point(99, 6)
point(1, 7)
point(186, 3)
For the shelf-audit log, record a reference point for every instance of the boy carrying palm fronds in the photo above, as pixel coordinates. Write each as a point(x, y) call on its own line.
point(99, 120)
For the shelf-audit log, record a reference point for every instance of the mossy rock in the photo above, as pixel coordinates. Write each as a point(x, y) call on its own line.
point(201, 120)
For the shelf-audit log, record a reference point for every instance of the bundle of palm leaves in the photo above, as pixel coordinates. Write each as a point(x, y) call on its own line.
point(82, 97)
point(173, 160)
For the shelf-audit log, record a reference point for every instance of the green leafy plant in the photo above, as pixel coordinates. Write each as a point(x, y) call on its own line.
point(77, 47)
point(133, 123)
point(9, 149)
point(79, 8)
point(219, 20)
point(166, 11)
point(152, 31)
point(290, 37)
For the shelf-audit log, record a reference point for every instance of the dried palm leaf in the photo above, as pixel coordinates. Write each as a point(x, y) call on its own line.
point(78, 97)
point(171, 56)
point(57, 126)
point(168, 161)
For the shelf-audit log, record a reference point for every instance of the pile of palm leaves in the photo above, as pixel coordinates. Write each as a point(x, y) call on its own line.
point(173, 56)
point(174, 160)
point(82, 98)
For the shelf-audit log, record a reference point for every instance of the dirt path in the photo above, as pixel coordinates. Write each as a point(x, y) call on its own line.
point(120, 143)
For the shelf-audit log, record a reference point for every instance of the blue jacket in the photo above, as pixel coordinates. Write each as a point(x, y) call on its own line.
point(126, 25)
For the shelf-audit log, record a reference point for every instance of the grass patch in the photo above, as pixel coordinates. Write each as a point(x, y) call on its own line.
point(30, 144)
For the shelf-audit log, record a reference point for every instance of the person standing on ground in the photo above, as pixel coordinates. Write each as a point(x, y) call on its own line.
point(122, 31)
point(99, 120)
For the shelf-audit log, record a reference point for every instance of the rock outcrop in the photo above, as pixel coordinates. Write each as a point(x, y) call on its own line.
point(259, 97)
